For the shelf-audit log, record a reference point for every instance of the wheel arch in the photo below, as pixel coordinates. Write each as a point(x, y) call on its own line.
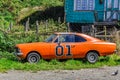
point(93, 51)
point(92, 56)
point(34, 52)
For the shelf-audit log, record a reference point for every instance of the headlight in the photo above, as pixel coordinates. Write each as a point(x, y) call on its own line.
point(17, 50)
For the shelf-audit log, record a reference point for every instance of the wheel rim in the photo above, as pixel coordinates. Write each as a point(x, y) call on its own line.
point(33, 58)
point(92, 57)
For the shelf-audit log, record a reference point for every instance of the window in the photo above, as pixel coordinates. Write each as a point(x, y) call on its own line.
point(84, 4)
point(50, 39)
point(109, 4)
point(112, 3)
point(116, 4)
point(65, 38)
point(79, 39)
point(69, 38)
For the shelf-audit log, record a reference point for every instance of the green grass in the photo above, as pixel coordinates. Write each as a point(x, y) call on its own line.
point(9, 62)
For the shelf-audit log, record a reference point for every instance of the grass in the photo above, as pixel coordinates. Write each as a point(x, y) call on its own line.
point(9, 62)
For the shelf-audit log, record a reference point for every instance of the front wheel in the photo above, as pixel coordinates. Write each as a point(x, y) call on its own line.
point(92, 57)
point(33, 57)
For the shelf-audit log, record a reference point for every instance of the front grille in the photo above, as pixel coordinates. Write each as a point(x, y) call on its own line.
point(17, 50)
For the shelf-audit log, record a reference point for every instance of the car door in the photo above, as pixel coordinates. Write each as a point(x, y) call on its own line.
point(63, 47)
point(79, 46)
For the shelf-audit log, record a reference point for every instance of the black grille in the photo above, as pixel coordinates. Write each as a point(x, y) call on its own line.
point(17, 50)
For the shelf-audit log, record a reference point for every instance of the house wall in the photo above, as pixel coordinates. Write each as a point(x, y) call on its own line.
point(77, 16)
point(98, 15)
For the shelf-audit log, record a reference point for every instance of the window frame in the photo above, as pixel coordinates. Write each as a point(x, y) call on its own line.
point(58, 40)
point(87, 8)
point(80, 37)
point(116, 5)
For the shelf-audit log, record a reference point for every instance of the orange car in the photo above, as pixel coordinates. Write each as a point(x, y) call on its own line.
point(64, 46)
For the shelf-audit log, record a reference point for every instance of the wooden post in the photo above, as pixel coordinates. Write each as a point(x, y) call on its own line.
point(93, 31)
point(46, 25)
point(59, 20)
point(114, 30)
point(118, 36)
point(37, 31)
point(68, 27)
point(10, 27)
point(27, 24)
point(105, 29)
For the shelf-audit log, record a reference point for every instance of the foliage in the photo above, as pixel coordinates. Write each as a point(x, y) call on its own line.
point(9, 12)
point(5, 42)
point(18, 35)
point(9, 9)
point(52, 3)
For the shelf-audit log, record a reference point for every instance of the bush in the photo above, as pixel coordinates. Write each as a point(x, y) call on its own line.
point(6, 44)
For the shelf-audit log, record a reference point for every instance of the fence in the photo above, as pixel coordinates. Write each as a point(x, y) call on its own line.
point(37, 32)
point(43, 29)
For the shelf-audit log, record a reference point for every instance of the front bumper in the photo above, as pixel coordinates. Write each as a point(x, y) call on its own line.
point(18, 54)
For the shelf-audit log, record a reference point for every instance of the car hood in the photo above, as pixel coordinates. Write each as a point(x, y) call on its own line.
point(31, 44)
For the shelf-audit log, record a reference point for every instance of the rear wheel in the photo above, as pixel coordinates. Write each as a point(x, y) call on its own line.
point(92, 57)
point(33, 57)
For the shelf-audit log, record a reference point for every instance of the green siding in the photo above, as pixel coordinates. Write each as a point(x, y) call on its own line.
point(77, 16)
point(84, 16)
point(99, 8)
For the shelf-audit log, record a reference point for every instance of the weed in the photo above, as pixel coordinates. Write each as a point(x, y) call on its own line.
point(9, 62)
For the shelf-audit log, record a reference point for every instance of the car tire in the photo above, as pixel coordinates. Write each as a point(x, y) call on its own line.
point(33, 57)
point(92, 57)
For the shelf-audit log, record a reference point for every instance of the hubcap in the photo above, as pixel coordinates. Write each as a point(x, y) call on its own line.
point(92, 58)
point(33, 59)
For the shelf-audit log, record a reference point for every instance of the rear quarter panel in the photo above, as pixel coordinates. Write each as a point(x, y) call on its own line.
point(103, 48)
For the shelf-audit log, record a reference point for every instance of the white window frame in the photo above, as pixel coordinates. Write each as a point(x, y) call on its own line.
point(109, 3)
point(116, 4)
point(88, 8)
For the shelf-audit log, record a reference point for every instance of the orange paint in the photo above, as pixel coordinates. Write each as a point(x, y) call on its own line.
point(65, 50)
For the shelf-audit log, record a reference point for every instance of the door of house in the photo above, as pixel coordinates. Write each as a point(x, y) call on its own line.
point(111, 10)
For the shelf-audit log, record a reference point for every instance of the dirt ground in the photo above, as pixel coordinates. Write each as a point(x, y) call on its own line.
point(103, 73)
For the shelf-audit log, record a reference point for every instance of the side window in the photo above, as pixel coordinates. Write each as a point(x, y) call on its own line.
point(70, 38)
point(60, 38)
point(79, 39)
point(65, 38)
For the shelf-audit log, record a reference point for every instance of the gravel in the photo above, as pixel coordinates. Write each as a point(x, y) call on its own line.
point(103, 73)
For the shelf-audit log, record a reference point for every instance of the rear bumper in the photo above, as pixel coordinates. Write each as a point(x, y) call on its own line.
point(115, 51)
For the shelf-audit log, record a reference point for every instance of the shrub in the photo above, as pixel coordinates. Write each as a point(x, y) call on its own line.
point(6, 43)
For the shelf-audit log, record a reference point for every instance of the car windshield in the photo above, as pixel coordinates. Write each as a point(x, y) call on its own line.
point(50, 39)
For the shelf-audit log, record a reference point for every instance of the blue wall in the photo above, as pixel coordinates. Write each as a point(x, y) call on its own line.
point(84, 16)
point(75, 16)
point(99, 8)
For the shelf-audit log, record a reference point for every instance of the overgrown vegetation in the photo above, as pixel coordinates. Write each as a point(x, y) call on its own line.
point(10, 9)
point(8, 62)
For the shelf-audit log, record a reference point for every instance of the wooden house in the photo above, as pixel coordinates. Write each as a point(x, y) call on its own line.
point(92, 15)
